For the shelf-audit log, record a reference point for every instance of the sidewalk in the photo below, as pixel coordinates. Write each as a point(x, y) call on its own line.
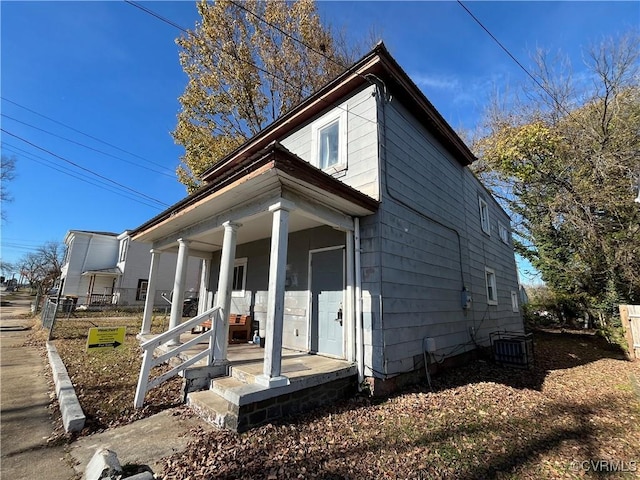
point(25, 418)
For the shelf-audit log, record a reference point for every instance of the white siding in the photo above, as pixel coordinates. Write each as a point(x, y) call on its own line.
point(136, 267)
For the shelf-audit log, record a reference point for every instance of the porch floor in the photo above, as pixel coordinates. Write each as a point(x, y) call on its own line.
point(236, 402)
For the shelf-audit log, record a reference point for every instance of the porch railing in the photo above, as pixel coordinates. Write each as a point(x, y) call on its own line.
point(149, 361)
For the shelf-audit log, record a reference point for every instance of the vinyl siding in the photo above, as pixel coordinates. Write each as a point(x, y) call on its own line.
point(296, 303)
point(362, 152)
point(432, 245)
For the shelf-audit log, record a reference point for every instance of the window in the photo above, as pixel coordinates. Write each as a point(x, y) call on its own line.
point(329, 141)
point(239, 277)
point(141, 292)
point(514, 301)
point(504, 233)
point(484, 216)
point(492, 293)
point(124, 245)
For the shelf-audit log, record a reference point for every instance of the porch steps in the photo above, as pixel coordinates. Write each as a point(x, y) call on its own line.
point(237, 403)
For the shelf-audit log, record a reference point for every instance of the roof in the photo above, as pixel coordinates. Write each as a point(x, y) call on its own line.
point(278, 162)
point(378, 63)
point(263, 148)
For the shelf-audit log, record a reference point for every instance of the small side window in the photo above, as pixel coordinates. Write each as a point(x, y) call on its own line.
point(492, 293)
point(484, 216)
point(514, 301)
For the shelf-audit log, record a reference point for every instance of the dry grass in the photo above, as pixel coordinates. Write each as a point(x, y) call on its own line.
point(577, 405)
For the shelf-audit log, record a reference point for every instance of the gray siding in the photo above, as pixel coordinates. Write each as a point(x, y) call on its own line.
point(432, 246)
point(362, 150)
point(254, 303)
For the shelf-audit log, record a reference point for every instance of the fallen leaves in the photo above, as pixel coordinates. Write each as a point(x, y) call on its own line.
point(481, 421)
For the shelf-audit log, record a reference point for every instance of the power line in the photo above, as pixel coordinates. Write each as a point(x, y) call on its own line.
point(289, 35)
point(524, 69)
point(58, 168)
point(86, 146)
point(84, 169)
point(257, 67)
point(82, 133)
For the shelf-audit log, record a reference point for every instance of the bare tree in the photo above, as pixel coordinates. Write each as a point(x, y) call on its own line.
point(43, 267)
point(7, 173)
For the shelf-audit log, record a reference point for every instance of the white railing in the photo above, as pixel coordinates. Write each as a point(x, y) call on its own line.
point(149, 361)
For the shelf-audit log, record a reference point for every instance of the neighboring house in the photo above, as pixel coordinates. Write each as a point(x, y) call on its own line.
point(353, 228)
point(103, 268)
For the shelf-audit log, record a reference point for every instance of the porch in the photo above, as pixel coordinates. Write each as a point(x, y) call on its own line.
point(233, 400)
point(280, 244)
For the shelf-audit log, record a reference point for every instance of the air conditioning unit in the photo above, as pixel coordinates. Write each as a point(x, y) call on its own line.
point(512, 349)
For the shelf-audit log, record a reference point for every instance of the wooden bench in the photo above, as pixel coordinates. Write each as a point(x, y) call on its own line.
point(239, 328)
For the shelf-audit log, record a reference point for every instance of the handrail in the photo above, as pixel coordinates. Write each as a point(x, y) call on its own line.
point(148, 360)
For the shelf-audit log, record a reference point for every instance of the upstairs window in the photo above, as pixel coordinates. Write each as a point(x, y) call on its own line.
point(329, 141)
point(124, 245)
point(484, 216)
point(492, 293)
point(503, 231)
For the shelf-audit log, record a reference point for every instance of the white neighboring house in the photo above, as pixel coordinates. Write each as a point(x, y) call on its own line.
point(104, 268)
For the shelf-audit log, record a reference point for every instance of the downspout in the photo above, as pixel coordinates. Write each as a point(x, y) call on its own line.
point(358, 313)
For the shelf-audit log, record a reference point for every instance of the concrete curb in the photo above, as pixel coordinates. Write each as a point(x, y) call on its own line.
point(73, 417)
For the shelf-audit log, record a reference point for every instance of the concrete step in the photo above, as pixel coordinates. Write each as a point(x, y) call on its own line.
point(214, 409)
point(239, 392)
point(244, 375)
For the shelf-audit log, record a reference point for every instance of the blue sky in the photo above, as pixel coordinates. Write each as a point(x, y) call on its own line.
point(111, 73)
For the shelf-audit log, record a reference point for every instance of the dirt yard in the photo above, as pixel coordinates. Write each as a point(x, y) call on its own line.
point(575, 415)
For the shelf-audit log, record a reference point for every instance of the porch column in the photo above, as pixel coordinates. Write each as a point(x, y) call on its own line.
point(349, 304)
point(205, 274)
point(225, 285)
point(178, 287)
point(151, 292)
point(275, 297)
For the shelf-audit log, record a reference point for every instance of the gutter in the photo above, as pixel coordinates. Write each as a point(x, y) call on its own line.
point(359, 326)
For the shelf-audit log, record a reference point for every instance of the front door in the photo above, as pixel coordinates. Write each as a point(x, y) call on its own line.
point(327, 292)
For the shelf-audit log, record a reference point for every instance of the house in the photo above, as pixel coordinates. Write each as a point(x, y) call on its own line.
point(351, 228)
point(104, 268)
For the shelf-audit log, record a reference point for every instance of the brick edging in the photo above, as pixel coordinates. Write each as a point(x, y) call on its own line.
point(73, 417)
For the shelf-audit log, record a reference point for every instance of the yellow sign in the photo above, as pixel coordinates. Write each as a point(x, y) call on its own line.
point(102, 337)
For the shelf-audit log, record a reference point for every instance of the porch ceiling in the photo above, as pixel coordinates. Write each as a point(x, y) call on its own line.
point(245, 194)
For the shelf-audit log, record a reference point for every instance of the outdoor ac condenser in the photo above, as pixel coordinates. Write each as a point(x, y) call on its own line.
point(512, 349)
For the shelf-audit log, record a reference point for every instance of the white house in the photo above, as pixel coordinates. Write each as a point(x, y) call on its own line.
point(104, 268)
point(351, 228)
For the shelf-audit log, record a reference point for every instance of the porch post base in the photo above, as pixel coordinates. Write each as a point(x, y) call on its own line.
point(272, 382)
point(223, 362)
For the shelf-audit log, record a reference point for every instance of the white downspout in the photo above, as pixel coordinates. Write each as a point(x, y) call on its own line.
point(358, 281)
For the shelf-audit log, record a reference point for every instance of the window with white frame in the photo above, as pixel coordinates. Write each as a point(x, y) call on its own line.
point(141, 292)
point(329, 141)
point(503, 231)
point(484, 216)
point(123, 249)
point(492, 293)
point(239, 277)
point(514, 301)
